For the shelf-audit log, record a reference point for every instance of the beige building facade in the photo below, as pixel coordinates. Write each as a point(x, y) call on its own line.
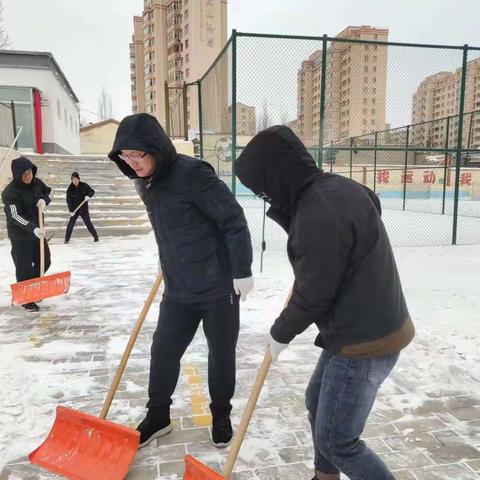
point(98, 138)
point(437, 98)
point(174, 41)
point(356, 82)
point(246, 119)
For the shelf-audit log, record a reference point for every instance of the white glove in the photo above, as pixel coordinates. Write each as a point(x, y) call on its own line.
point(72, 214)
point(42, 204)
point(87, 198)
point(242, 286)
point(39, 232)
point(159, 266)
point(276, 348)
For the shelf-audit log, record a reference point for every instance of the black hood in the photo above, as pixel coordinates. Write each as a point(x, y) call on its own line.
point(142, 132)
point(20, 166)
point(275, 162)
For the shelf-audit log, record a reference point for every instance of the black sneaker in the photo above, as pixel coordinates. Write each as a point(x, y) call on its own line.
point(95, 240)
point(221, 430)
point(156, 424)
point(31, 307)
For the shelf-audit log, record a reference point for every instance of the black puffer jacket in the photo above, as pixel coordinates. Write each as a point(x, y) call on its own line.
point(76, 194)
point(20, 200)
point(201, 231)
point(346, 280)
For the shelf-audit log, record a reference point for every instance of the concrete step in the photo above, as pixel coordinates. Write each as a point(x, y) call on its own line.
point(115, 231)
point(116, 208)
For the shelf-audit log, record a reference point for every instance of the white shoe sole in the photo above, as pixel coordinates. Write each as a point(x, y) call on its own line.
point(220, 445)
point(160, 433)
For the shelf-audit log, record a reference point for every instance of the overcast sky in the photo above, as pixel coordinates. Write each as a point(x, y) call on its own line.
point(89, 38)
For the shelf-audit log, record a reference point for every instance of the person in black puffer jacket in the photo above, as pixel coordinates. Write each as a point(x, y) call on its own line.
point(77, 192)
point(205, 256)
point(346, 283)
point(21, 199)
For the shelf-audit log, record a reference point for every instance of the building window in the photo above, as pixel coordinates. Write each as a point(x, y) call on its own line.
point(59, 110)
point(187, 29)
point(186, 43)
point(185, 15)
point(187, 72)
point(65, 117)
point(187, 58)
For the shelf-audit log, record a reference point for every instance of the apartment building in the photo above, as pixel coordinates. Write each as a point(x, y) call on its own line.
point(437, 98)
point(356, 81)
point(246, 119)
point(173, 42)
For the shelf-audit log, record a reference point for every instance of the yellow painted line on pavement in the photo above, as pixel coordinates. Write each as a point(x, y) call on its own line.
point(199, 401)
point(42, 328)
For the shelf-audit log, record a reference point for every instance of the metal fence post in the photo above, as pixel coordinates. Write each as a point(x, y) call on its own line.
point(200, 125)
point(234, 108)
point(185, 112)
point(351, 156)
point(445, 161)
point(322, 100)
point(167, 108)
point(407, 141)
point(14, 120)
point(375, 164)
point(458, 159)
point(331, 157)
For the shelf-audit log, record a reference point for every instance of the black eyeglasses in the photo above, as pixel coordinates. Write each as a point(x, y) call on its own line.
point(131, 156)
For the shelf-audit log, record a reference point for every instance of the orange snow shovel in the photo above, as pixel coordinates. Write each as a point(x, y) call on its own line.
point(84, 447)
point(195, 470)
point(42, 287)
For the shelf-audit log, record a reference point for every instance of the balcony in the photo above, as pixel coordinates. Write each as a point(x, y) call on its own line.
point(175, 40)
point(173, 7)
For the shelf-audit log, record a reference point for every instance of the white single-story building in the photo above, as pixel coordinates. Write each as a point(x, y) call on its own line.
point(45, 105)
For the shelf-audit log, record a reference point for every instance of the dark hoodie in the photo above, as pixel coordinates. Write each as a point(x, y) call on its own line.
point(346, 280)
point(20, 200)
point(201, 232)
point(76, 195)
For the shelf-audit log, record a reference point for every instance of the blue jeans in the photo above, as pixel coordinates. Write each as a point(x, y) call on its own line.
point(339, 399)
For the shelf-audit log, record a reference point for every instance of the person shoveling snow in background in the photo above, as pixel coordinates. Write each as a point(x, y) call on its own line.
point(21, 199)
point(77, 192)
point(205, 255)
point(346, 282)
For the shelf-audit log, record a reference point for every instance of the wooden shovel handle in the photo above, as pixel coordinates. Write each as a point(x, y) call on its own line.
point(42, 243)
point(131, 343)
point(247, 415)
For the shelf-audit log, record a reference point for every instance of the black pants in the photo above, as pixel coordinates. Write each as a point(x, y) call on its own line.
point(26, 257)
point(85, 214)
point(177, 324)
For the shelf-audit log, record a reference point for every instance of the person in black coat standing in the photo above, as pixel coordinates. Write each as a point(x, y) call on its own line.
point(21, 199)
point(77, 192)
point(205, 256)
point(346, 283)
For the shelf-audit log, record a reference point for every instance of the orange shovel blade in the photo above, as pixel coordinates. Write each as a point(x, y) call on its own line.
point(83, 447)
point(39, 288)
point(195, 470)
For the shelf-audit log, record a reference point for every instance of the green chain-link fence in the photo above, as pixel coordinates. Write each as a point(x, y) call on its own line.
point(403, 119)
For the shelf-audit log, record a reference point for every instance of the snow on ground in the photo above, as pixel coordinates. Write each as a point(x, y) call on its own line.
point(58, 355)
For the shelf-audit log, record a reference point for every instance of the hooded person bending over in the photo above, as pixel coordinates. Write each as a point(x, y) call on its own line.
point(346, 283)
point(205, 256)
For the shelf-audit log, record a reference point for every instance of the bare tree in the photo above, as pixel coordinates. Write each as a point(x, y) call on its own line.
point(5, 41)
point(104, 105)
point(264, 120)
